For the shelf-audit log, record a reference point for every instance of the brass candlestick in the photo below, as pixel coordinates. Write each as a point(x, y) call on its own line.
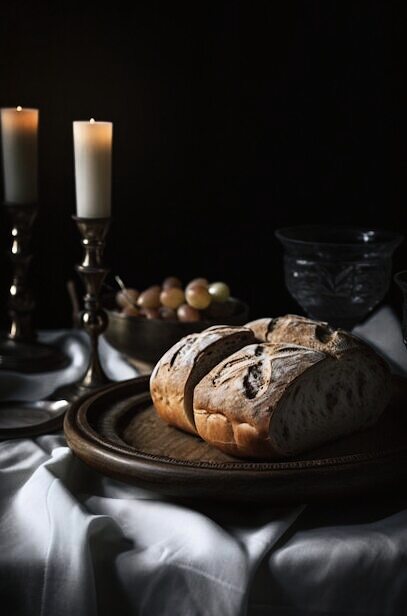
point(93, 318)
point(19, 350)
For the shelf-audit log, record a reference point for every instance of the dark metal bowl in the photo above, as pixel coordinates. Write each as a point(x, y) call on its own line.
point(148, 339)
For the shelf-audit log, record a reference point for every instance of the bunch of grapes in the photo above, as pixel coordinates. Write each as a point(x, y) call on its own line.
point(199, 300)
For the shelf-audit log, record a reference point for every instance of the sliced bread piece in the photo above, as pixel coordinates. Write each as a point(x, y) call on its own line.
point(181, 368)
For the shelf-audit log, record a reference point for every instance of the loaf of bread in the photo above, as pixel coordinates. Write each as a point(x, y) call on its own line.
point(181, 368)
point(278, 400)
point(302, 384)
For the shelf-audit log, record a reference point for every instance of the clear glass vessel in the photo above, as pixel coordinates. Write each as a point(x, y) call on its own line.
point(337, 274)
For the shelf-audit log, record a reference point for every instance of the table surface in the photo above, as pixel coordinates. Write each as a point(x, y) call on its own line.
point(73, 541)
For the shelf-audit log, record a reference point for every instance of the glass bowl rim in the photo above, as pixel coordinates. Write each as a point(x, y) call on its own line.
point(386, 237)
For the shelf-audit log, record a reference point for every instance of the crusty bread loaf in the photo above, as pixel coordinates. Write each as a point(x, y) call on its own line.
point(305, 385)
point(177, 373)
point(277, 400)
point(294, 329)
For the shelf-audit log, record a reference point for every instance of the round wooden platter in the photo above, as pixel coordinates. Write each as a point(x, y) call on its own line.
point(117, 432)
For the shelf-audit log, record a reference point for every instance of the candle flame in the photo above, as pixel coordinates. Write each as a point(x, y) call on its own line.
point(19, 108)
point(92, 120)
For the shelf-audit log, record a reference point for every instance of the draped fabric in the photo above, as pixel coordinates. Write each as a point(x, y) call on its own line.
point(73, 542)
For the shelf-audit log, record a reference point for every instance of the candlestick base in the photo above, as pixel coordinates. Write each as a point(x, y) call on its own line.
point(23, 419)
point(30, 357)
point(74, 391)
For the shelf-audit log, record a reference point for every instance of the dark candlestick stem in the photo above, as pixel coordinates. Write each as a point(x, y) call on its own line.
point(21, 303)
point(93, 319)
point(19, 349)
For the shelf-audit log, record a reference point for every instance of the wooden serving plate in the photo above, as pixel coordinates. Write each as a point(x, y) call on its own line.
point(118, 433)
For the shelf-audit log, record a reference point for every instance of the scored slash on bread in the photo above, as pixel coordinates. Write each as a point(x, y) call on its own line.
point(234, 403)
point(300, 385)
point(277, 400)
point(181, 368)
point(303, 331)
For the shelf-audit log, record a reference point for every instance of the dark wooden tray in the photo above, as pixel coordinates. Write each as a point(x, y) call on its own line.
point(117, 432)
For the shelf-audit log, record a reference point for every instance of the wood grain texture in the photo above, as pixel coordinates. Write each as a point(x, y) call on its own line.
point(117, 432)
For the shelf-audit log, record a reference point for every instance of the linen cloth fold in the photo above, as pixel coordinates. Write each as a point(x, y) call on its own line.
point(75, 542)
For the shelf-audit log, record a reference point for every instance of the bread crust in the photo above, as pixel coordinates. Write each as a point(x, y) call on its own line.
point(236, 393)
point(296, 329)
point(233, 411)
point(237, 403)
point(261, 328)
point(176, 374)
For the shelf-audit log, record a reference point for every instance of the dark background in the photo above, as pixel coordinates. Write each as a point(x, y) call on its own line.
point(230, 120)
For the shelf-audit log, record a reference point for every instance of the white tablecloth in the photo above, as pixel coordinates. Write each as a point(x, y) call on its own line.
point(73, 542)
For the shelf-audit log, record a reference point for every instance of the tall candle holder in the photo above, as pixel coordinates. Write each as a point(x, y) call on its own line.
point(94, 319)
point(19, 350)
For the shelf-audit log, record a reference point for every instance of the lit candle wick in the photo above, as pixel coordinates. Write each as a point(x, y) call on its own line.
point(19, 108)
point(92, 120)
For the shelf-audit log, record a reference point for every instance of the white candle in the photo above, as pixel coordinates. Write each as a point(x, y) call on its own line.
point(19, 132)
point(93, 168)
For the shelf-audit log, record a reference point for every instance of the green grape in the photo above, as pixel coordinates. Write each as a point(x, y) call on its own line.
point(198, 297)
point(219, 291)
point(127, 297)
point(172, 281)
point(187, 313)
point(172, 297)
point(150, 298)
